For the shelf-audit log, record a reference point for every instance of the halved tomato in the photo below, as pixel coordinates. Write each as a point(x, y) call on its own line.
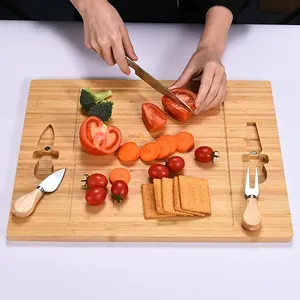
point(154, 118)
point(97, 138)
point(176, 111)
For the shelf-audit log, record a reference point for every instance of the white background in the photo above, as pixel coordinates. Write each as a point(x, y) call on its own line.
point(147, 271)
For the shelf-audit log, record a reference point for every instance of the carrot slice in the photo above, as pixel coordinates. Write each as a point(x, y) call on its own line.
point(119, 174)
point(165, 149)
point(129, 152)
point(185, 141)
point(172, 142)
point(150, 151)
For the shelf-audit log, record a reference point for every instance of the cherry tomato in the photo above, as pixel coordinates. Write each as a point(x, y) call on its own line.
point(175, 164)
point(205, 154)
point(158, 171)
point(95, 180)
point(119, 190)
point(95, 196)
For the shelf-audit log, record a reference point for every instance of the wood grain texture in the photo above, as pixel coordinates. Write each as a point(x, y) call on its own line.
point(64, 215)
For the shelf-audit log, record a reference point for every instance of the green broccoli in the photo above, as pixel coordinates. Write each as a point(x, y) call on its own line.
point(102, 110)
point(88, 98)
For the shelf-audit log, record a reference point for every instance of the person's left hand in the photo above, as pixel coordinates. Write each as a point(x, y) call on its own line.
point(207, 63)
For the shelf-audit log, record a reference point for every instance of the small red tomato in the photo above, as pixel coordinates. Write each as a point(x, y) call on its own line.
point(119, 190)
point(175, 164)
point(158, 171)
point(95, 180)
point(95, 196)
point(205, 154)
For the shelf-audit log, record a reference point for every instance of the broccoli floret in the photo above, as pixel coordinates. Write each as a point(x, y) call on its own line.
point(102, 110)
point(88, 98)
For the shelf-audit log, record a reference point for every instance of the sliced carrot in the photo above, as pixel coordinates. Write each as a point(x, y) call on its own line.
point(185, 141)
point(150, 151)
point(165, 149)
point(172, 142)
point(119, 174)
point(129, 152)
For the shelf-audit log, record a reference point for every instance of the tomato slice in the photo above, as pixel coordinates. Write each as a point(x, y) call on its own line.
point(154, 118)
point(97, 138)
point(176, 111)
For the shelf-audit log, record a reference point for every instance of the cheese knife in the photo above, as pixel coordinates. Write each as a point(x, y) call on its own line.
point(25, 205)
point(158, 86)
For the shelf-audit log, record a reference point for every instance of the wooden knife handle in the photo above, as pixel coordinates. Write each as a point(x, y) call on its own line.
point(251, 219)
point(25, 205)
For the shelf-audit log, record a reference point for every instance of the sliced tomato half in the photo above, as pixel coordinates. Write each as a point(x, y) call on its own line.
point(176, 111)
point(97, 138)
point(154, 118)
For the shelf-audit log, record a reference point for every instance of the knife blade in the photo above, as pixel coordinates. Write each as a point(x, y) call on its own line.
point(26, 204)
point(158, 86)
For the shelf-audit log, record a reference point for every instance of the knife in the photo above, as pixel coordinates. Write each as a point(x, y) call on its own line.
point(158, 86)
point(25, 205)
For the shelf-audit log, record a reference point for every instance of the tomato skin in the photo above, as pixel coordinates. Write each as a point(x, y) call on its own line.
point(176, 111)
point(96, 138)
point(95, 196)
point(158, 171)
point(205, 154)
point(119, 190)
point(95, 180)
point(175, 164)
point(153, 117)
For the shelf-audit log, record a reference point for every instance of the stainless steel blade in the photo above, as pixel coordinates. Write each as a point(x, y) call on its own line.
point(158, 86)
point(52, 182)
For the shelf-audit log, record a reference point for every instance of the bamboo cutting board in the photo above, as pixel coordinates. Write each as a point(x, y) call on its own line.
point(244, 124)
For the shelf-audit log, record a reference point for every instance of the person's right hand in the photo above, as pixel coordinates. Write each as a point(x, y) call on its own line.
point(105, 33)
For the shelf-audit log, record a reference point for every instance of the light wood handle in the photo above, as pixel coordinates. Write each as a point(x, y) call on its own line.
point(251, 219)
point(25, 205)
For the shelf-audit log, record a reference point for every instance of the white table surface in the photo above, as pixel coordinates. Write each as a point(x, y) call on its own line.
point(134, 271)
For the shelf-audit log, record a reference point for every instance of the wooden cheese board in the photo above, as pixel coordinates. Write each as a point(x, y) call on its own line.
point(243, 130)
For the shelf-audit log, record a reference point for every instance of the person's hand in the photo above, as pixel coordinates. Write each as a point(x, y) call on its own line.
point(105, 33)
point(207, 63)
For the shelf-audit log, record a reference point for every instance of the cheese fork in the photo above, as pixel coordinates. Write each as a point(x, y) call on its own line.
point(251, 218)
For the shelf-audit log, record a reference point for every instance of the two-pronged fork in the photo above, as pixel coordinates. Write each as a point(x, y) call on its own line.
point(251, 218)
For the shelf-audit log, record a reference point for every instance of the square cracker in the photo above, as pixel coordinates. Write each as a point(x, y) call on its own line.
point(177, 206)
point(168, 198)
point(157, 184)
point(149, 203)
point(194, 194)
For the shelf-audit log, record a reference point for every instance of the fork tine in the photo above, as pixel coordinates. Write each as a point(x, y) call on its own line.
point(256, 181)
point(248, 178)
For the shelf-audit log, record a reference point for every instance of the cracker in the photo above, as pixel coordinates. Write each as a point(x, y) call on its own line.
point(177, 206)
point(168, 198)
point(157, 184)
point(149, 203)
point(194, 195)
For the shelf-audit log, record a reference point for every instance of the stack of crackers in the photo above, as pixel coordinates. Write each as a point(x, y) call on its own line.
point(183, 196)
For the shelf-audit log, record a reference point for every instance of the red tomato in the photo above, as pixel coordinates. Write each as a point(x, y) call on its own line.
point(95, 196)
point(119, 190)
point(95, 180)
point(97, 138)
point(205, 154)
point(176, 111)
point(175, 164)
point(153, 117)
point(158, 171)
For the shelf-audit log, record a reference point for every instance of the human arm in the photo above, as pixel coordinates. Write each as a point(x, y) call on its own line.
point(105, 32)
point(206, 60)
